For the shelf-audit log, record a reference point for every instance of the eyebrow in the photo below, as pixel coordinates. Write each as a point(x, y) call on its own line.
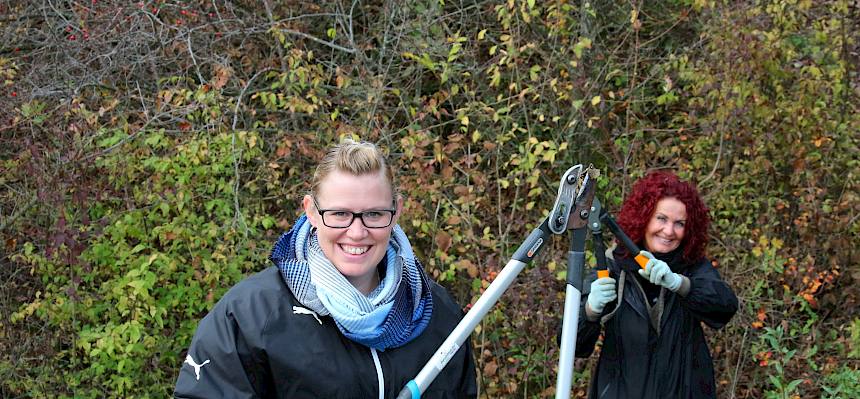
point(667, 216)
point(380, 208)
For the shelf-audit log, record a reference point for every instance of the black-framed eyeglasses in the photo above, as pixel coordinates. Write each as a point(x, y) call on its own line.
point(341, 219)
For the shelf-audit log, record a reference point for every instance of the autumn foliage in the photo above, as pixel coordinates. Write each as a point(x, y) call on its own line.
point(151, 152)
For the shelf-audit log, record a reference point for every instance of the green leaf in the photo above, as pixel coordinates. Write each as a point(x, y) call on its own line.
point(775, 381)
point(534, 72)
point(793, 385)
point(112, 140)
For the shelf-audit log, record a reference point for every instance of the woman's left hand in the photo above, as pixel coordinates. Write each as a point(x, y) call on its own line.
point(658, 272)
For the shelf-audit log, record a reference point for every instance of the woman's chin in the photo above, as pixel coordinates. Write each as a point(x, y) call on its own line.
point(663, 249)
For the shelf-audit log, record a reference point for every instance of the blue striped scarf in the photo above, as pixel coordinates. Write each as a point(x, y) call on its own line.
point(394, 313)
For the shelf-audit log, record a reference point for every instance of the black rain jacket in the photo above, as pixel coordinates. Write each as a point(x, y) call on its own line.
point(638, 362)
point(260, 342)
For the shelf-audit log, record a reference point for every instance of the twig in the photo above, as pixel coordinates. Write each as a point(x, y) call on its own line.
point(318, 40)
point(142, 102)
point(738, 367)
point(238, 210)
point(717, 162)
point(242, 93)
point(194, 60)
point(17, 214)
point(278, 47)
point(351, 35)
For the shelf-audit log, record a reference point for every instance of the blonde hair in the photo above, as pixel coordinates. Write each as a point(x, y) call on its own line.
point(357, 158)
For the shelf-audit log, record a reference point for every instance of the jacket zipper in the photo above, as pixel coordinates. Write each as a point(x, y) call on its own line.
point(379, 377)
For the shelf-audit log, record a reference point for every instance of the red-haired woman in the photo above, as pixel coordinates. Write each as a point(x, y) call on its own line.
point(653, 345)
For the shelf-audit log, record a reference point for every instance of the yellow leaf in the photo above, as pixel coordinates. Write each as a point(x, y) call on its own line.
point(777, 243)
point(151, 259)
point(481, 34)
point(595, 100)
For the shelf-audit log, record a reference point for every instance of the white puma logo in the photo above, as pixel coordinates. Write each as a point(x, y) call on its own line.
point(301, 310)
point(197, 367)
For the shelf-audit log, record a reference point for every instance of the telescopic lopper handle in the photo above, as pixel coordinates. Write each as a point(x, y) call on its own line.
point(640, 258)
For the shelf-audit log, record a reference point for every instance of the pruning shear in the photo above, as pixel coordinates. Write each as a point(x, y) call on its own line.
point(570, 212)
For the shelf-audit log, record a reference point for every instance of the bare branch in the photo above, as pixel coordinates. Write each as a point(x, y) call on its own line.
point(238, 217)
point(318, 40)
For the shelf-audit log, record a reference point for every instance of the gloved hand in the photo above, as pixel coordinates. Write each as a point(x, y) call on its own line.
point(658, 272)
point(602, 292)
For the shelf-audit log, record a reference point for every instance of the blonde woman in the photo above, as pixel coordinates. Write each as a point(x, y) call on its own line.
point(345, 311)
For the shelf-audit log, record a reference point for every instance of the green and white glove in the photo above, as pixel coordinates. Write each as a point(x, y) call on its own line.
point(602, 292)
point(659, 273)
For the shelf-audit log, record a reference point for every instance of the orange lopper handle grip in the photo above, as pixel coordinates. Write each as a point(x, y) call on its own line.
point(642, 260)
point(602, 273)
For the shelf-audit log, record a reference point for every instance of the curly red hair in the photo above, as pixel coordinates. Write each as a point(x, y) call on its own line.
point(638, 208)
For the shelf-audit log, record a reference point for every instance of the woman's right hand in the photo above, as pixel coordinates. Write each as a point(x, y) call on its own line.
point(602, 292)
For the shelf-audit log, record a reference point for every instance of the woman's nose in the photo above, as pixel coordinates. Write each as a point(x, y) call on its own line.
point(356, 229)
point(669, 230)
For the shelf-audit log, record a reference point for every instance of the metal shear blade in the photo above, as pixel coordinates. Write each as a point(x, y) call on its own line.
point(564, 202)
point(584, 200)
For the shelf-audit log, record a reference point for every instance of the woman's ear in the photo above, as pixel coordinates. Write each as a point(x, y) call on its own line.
point(398, 206)
point(310, 210)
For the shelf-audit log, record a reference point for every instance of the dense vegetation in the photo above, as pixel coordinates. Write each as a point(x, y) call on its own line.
point(152, 151)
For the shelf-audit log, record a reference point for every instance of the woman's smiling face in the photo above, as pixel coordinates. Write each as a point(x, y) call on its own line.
point(355, 250)
point(665, 230)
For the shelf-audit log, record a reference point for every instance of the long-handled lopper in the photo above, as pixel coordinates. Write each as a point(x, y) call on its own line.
point(570, 212)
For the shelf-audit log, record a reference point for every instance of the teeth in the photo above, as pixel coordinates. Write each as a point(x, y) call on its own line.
point(354, 250)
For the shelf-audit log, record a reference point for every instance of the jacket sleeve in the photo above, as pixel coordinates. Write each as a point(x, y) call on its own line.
point(710, 300)
point(587, 331)
point(223, 361)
